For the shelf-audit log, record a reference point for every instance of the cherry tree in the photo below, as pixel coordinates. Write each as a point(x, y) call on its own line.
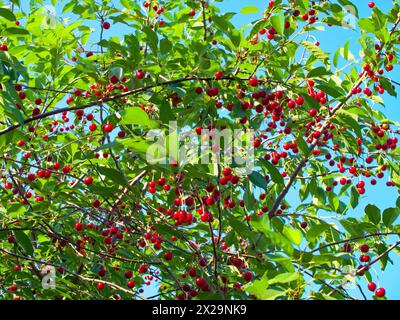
point(110, 110)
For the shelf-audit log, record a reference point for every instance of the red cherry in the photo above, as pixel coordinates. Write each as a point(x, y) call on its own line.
point(114, 79)
point(108, 127)
point(371, 4)
point(100, 285)
point(106, 25)
point(218, 75)
point(88, 180)
point(140, 74)
point(200, 282)
point(313, 112)
point(247, 276)
point(93, 127)
point(131, 284)
point(128, 274)
point(107, 240)
point(168, 256)
point(22, 95)
point(364, 248)
point(13, 288)
point(253, 82)
point(364, 258)
point(347, 247)
point(192, 273)
point(371, 286)
point(78, 226)
point(380, 292)
point(96, 203)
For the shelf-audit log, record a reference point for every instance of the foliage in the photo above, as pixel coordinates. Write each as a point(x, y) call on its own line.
point(78, 192)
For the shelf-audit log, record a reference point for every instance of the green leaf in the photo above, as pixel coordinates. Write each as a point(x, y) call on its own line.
point(354, 197)
point(366, 24)
point(262, 225)
point(373, 213)
point(349, 121)
point(24, 241)
point(316, 51)
point(259, 288)
point(293, 235)
point(249, 10)
point(15, 32)
point(248, 196)
point(137, 116)
point(389, 216)
point(284, 278)
point(258, 180)
point(331, 88)
point(316, 230)
point(386, 84)
point(113, 175)
point(350, 7)
point(151, 39)
point(318, 72)
point(273, 172)
point(278, 21)
point(6, 13)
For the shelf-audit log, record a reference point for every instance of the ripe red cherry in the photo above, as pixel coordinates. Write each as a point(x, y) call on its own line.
point(371, 286)
point(168, 256)
point(192, 13)
point(96, 203)
point(88, 180)
point(93, 127)
point(66, 169)
point(114, 79)
point(108, 127)
point(140, 74)
point(200, 282)
point(22, 95)
point(313, 112)
point(380, 292)
point(11, 239)
point(253, 82)
point(78, 226)
point(100, 285)
point(347, 247)
point(226, 171)
point(192, 273)
point(247, 276)
point(106, 25)
point(107, 240)
point(364, 248)
point(371, 4)
point(218, 75)
point(303, 225)
point(364, 258)
point(131, 284)
point(13, 288)
point(128, 274)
